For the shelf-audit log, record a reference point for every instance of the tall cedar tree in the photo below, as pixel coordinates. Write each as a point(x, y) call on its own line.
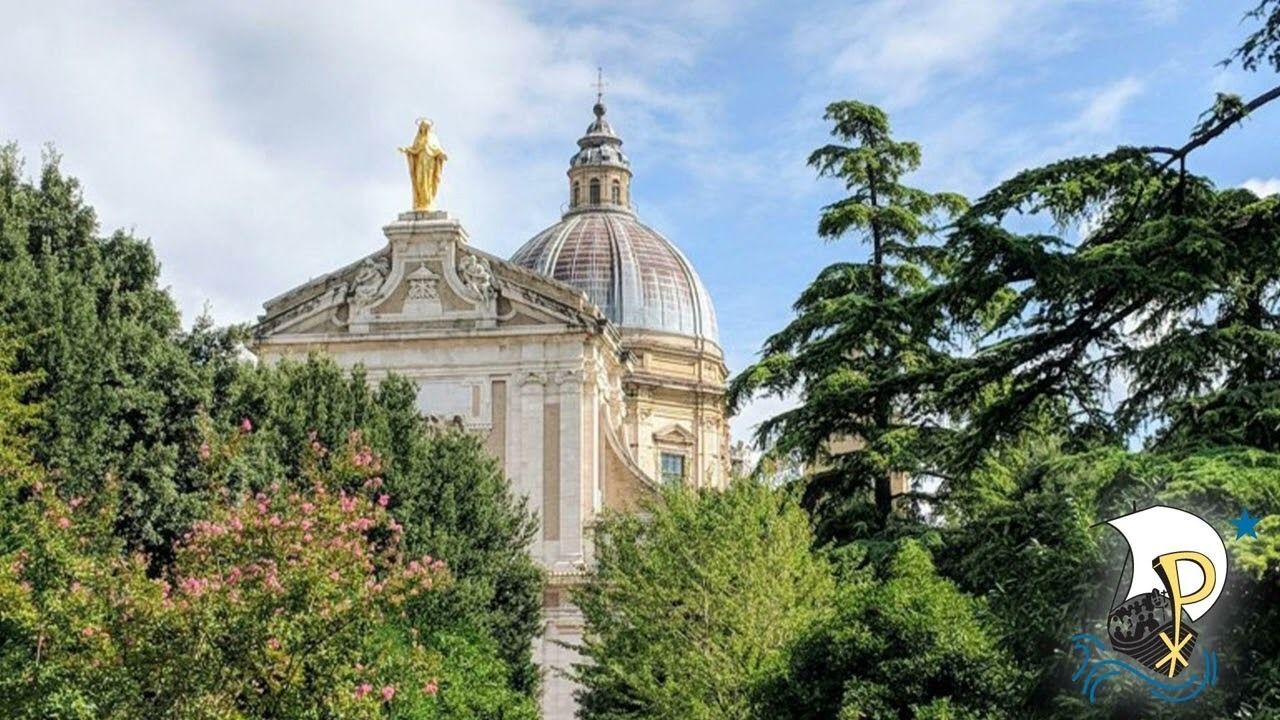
point(1171, 288)
point(862, 334)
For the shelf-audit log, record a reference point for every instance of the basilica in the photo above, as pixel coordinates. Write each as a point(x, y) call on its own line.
point(589, 360)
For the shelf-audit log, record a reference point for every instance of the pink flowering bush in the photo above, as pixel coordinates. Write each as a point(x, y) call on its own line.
point(283, 603)
point(291, 602)
point(74, 609)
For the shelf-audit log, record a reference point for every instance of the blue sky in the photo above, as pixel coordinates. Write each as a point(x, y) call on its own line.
point(254, 143)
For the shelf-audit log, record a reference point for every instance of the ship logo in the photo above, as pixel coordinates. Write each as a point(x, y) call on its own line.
point(1179, 567)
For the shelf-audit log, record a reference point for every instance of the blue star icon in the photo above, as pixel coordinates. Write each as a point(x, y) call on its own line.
point(1246, 524)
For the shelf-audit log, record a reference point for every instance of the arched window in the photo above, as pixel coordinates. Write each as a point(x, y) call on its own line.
point(616, 193)
point(594, 192)
point(575, 194)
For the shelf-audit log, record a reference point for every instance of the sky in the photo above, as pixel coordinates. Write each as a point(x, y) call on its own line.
point(254, 143)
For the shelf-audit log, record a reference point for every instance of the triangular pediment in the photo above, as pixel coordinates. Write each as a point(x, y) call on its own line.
point(674, 434)
point(427, 278)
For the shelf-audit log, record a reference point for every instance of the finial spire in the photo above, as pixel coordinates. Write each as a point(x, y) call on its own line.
point(599, 85)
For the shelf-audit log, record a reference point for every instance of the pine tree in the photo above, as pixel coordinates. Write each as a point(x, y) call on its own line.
point(864, 330)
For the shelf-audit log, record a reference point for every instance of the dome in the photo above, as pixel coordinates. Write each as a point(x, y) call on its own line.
point(638, 278)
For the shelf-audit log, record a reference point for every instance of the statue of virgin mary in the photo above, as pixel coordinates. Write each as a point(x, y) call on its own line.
point(426, 163)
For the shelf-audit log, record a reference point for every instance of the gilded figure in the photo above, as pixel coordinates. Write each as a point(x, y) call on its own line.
point(426, 163)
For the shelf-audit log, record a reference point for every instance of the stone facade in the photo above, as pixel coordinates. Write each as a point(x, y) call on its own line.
point(585, 412)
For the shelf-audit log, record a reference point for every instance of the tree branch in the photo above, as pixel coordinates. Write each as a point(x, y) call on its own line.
point(1176, 154)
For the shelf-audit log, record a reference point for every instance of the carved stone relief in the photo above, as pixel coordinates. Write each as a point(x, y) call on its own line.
point(477, 276)
point(369, 280)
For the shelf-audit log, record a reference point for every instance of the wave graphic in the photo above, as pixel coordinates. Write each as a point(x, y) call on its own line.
point(1096, 668)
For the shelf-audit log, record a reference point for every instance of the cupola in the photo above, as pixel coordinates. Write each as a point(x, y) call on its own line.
point(599, 173)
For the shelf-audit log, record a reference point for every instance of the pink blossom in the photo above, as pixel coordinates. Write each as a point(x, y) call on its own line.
point(363, 458)
point(87, 631)
point(335, 576)
point(363, 690)
point(64, 522)
point(383, 500)
point(273, 583)
point(246, 426)
point(273, 643)
point(431, 688)
point(388, 692)
point(205, 451)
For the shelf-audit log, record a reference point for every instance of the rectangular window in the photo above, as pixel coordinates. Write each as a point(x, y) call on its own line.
point(672, 468)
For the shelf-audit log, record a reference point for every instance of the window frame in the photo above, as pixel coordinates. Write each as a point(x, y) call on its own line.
point(671, 478)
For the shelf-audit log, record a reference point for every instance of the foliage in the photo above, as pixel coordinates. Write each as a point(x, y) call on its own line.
point(449, 493)
point(118, 394)
point(122, 392)
point(692, 605)
point(1262, 46)
point(16, 417)
point(283, 603)
point(1173, 289)
point(1049, 571)
point(862, 334)
point(903, 642)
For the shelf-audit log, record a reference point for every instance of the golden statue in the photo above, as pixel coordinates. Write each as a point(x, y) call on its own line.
point(426, 163)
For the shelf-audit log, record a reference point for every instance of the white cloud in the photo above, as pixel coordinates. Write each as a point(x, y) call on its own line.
point(1102, 108)
point(899, 49)
point(1262, 187)
point(1161, 11)
point(255, 142)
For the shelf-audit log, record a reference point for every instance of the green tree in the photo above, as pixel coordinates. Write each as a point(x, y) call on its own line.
point(118, 396)
point(1169, 283)
point(903, 643)
point(863, 332)
point(121, 392)
point(1049, 571)
point(693, 603)
point(450, 494)
point(282, 603)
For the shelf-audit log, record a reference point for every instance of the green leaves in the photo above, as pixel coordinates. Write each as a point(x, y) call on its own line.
point(866, 334)
point(1262, 46)
point(106, 385)
point(693, 603)
point(902, 642)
